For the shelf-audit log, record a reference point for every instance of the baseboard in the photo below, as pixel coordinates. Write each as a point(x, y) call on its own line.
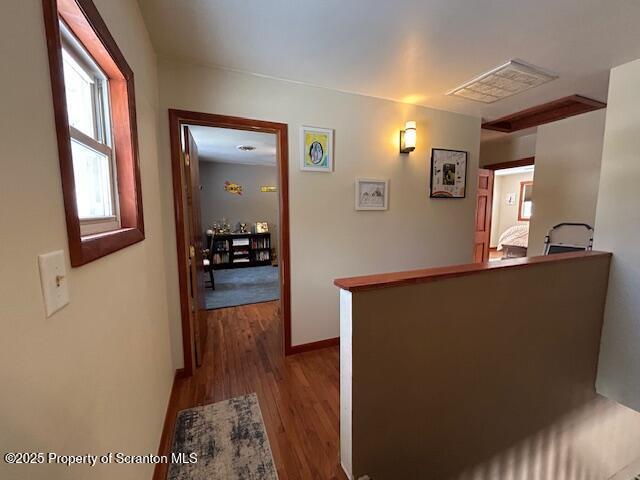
point(307, 347)
point(160, 471)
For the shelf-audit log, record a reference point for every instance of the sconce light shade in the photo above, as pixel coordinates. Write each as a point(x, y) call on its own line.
point(408, 137)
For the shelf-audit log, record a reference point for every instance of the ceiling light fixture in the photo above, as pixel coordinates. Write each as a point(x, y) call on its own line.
point(509, 79)
point(246, 148)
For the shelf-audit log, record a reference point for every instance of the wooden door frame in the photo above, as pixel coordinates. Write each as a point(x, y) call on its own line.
point(178, 118)
point(488, 216)
point(522, 162)
point(521, 200)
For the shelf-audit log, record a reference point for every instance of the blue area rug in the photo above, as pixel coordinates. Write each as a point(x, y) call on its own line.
point(241, 286)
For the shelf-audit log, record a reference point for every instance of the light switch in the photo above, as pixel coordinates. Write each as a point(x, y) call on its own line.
point(53, 278)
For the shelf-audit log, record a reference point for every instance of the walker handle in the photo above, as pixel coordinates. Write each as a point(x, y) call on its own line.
point(572, 224)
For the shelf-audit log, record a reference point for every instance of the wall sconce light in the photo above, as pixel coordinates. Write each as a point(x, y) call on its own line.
point(408, 137)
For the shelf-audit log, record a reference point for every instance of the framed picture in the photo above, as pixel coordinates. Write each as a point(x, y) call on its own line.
point(448, 173)
point(262, 227)
point(316, 149)
point(372, 194)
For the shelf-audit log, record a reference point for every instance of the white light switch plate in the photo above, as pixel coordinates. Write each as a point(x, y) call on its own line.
point(53, 278)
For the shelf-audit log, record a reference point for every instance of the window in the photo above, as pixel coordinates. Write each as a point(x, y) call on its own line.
point(526, 201)
point(94, 107)
point(88, 111)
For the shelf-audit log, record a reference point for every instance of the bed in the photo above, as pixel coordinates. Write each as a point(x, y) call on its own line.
point(514, 241)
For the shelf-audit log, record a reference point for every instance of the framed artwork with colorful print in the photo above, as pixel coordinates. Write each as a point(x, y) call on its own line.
point(316, 149)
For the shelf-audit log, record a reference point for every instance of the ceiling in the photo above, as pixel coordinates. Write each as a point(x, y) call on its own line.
point(221, 145)
point(408, 50)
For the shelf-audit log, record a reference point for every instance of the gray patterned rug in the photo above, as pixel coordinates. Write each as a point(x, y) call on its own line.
point(229, 438)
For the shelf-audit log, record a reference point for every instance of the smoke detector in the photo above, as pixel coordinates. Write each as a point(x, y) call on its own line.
point(246, 148)
point(509, 79)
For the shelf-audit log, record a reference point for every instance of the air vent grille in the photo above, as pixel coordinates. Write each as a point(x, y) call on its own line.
point(509, 79)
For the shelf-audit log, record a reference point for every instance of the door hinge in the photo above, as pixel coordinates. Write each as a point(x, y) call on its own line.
point(187, 161)
point(192, 251)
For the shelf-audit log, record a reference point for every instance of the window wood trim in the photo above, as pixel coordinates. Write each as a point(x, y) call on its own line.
point(523, 185)
point(84, 20)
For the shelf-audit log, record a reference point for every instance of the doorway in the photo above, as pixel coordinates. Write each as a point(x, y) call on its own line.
point(504, 208)
point(196, 238)
point(238, 215)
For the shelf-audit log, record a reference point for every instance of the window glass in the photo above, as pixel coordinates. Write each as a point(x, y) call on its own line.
point(92, 172)
point(79, 88)
point(88, 114)
point(526, 200)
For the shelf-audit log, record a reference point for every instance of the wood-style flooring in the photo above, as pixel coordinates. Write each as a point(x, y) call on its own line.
point(494, 254)
point(298, 395)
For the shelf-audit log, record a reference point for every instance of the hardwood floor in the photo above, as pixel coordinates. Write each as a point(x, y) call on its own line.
point(494, 254)
point(298, 395)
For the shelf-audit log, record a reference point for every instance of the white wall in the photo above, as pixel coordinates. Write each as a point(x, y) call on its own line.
point(96, 376)
point(329, 239)
point(617, 230)
point(498, 198)
point(505, 215)
point(507, 149)
point(568, 157)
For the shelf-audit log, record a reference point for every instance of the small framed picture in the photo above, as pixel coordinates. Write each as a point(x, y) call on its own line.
point(372, 194)
point(316, 149)
point(262, 227)
point(448, 173)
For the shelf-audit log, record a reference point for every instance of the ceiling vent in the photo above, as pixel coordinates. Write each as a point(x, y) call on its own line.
point(246, 148)
point(509, 79)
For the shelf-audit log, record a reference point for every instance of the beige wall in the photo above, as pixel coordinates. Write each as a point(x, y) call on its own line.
point(568, 158)
point(96, 376)
point(505, 215)
point(445, 386)
point(498, 198)
point(329, 238)
point(617, 229)
point(250, 207)
point(507, 149)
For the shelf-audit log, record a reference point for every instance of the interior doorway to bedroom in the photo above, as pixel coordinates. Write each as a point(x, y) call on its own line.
point(224, 170)
point(238, 215)
point(511, 211)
